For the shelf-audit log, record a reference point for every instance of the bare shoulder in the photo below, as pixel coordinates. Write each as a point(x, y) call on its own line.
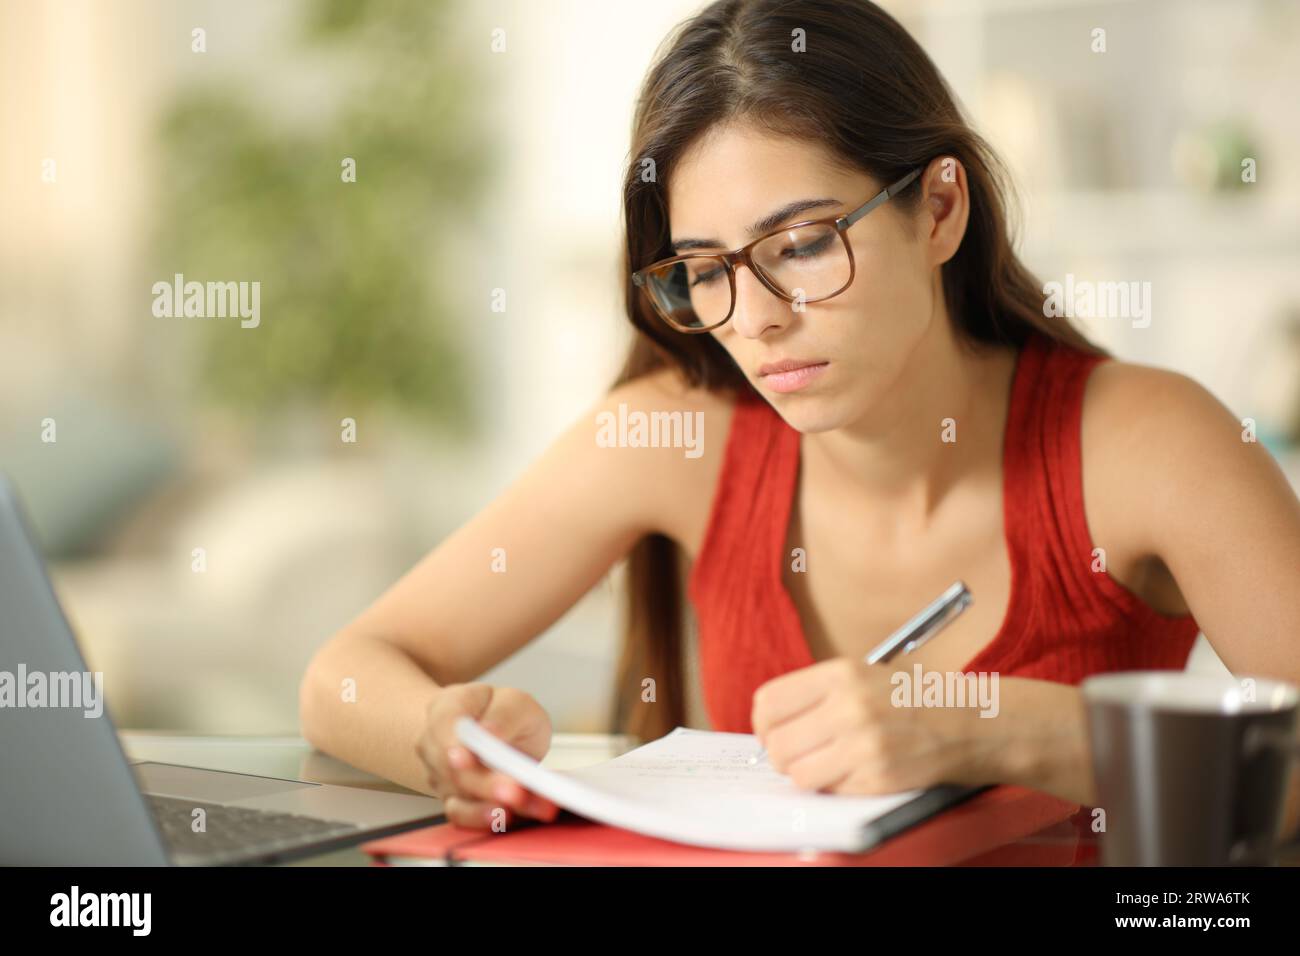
point(1134, 413)
point(1172, 473)
point(1152, 439)
point(667, 440)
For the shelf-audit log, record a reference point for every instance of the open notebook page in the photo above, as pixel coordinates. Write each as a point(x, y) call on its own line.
point(696, 787)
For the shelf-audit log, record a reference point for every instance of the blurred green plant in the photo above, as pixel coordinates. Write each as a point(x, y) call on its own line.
point(354, 306)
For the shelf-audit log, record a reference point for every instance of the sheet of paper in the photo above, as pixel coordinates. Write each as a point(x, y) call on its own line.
point(695, 787)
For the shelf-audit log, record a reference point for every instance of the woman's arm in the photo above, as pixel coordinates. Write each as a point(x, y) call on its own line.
point(1168, 476)
point(560, 527)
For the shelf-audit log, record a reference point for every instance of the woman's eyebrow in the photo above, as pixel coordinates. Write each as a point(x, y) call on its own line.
point(766, 224)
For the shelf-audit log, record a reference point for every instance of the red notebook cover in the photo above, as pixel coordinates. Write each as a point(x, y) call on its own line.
point(972, 831)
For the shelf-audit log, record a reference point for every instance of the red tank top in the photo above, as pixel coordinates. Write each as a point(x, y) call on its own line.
point(1064, 621)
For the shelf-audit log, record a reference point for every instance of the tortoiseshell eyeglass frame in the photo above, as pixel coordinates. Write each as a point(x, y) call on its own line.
point(730, 260)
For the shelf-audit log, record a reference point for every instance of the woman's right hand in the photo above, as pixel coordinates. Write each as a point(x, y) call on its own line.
point(471, 791)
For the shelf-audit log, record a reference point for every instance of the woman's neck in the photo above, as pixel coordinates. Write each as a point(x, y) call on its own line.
point(896, 455)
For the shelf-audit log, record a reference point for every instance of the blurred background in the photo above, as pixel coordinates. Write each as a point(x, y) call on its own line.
point(208, 521)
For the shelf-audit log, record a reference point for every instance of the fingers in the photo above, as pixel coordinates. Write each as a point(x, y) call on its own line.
point(475, 814)
point(471, 776)
point(518, 720)
point(471, 790)
point(470, 700)
point(525, 733)
point(440, 740)
point(796, 694)
point(821, 768)
point(814, 729)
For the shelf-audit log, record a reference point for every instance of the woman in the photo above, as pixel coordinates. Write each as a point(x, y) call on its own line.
point(886, 408)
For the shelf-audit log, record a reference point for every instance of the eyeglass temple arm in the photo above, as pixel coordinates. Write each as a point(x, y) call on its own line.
point(889, 192)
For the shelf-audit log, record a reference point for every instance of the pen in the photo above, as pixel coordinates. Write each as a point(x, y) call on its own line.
point(920, 628)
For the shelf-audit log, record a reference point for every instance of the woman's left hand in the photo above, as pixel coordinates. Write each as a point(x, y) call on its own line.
point(833, 726)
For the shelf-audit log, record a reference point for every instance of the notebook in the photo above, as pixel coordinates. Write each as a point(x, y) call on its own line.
point(701, 788)
point(1002, 826)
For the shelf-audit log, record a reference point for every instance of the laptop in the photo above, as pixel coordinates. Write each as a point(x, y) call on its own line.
point(70, 797)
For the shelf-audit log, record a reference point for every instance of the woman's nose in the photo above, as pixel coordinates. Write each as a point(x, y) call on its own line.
point(757, 309)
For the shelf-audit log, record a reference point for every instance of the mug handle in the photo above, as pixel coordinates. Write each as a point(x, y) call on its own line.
point(1259, 738)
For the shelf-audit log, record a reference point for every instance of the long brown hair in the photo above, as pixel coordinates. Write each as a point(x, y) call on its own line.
point(868, 93)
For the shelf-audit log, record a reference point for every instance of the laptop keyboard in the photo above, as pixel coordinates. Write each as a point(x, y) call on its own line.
point(233, 832)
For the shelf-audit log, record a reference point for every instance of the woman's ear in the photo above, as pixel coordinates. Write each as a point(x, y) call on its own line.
point(947, 204)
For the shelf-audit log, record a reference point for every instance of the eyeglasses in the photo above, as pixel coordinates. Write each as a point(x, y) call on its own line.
point(806, 261)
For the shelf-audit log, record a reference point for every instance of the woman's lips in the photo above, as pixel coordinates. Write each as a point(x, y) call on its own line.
point(792, 379)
